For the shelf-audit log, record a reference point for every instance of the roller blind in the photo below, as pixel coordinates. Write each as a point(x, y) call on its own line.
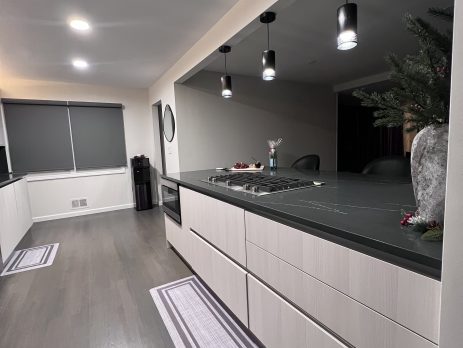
point(97, 135)
point(46, 135)
point(38, 135)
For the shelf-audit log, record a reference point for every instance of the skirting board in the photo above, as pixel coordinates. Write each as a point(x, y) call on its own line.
point(82, 212)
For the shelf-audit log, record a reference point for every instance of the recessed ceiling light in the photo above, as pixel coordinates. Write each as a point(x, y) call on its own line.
point(79, 25)
point(80, 64)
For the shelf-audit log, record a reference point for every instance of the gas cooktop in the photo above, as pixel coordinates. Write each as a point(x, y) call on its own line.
point(260, 184)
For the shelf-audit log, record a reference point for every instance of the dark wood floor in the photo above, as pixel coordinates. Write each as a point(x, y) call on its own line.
point(96, 294)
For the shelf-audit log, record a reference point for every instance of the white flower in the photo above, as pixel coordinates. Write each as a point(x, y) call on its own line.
point(417, 220)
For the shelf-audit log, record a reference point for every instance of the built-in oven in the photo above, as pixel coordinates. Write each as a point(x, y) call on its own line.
point(171, 199)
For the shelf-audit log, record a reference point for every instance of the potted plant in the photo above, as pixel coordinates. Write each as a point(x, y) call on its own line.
point(422, 93)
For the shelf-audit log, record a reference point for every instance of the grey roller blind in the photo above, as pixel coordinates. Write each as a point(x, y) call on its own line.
point(38, 135)
point(97, 135)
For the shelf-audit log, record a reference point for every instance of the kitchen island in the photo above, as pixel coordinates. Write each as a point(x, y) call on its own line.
point(333, 260)
point(356, 211)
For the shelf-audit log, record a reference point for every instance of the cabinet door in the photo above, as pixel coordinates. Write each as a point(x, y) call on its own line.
point(23, 205)
point(223, 276)
point(277, 324)
point(403, 296)
point(330, 307)
point(10, 228)
point(176, 236)
point(220, 223)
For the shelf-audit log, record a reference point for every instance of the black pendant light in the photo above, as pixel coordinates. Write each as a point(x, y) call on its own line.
point(347, 26)
point(268, 56)
point(226, 79)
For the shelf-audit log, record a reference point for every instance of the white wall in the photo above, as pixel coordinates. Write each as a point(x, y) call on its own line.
point(451, 333)
point(2, 137)
point(217, 132)
point(162, 90)
point(51, 198)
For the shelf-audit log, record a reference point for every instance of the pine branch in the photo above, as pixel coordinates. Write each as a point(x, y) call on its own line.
point(443, 13)
point(423, 80)
point(427, 35)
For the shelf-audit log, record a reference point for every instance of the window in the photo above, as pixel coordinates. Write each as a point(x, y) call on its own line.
point(54, 136)
point(97, 135)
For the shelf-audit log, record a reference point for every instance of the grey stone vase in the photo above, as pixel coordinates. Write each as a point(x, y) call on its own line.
point(429, 171)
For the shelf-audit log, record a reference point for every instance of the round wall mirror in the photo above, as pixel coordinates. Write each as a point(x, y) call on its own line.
point(168, 124)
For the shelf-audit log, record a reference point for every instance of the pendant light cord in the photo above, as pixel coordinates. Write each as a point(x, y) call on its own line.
point(226, 73)
point(268, 37)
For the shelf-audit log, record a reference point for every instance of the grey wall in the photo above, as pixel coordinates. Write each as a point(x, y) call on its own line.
point(217, 132)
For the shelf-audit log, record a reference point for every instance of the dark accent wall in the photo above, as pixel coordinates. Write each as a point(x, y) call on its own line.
point(359, 142)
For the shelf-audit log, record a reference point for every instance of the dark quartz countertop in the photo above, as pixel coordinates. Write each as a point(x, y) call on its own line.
point(6, 179)
point(357, 211)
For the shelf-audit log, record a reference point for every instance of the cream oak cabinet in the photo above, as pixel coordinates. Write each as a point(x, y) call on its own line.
point(23, 205)
point(356, 323)
point(178, 237)
point(223, 276)
point(15, 216)
point(294, 289)
point(278, 324)
point(220, 223)
point(406, 297)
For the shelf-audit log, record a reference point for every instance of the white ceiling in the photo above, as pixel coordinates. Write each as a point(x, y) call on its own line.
point(304, 38)
point(131, 44)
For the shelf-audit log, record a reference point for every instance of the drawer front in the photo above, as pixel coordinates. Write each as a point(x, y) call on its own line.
point(23, 205)
point(10, 226)
point(351, 320)
point(223, 276)
point(220, 223)
point(176, 236)
point(406, 297)
point(277, 324)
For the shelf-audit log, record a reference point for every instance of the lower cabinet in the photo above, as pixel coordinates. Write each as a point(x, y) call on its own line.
point(226, 278)
point(23, 205)
point(223, 276)
point(349, 319)
point(277, 324)
point(177, 237)
point(293, 289)
point(15, 216)
point(9, 224)
point(220, 223)
point(405, 297)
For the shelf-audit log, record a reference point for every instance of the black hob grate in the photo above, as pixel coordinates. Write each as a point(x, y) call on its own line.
point(257, 182)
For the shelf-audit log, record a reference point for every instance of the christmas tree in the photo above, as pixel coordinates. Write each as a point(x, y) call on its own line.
point(422, 90)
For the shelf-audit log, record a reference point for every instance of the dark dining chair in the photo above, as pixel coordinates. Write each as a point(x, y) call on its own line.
point(307, 162)
point(390, 166)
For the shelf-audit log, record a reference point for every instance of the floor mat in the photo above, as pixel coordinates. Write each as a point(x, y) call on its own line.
point(194, 318)
point(32, 258)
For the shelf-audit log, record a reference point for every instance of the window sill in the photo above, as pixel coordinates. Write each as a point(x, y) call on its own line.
point(74, 174)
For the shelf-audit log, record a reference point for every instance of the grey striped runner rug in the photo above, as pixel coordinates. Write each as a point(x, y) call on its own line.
point(32, 258)
point(195, 319)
